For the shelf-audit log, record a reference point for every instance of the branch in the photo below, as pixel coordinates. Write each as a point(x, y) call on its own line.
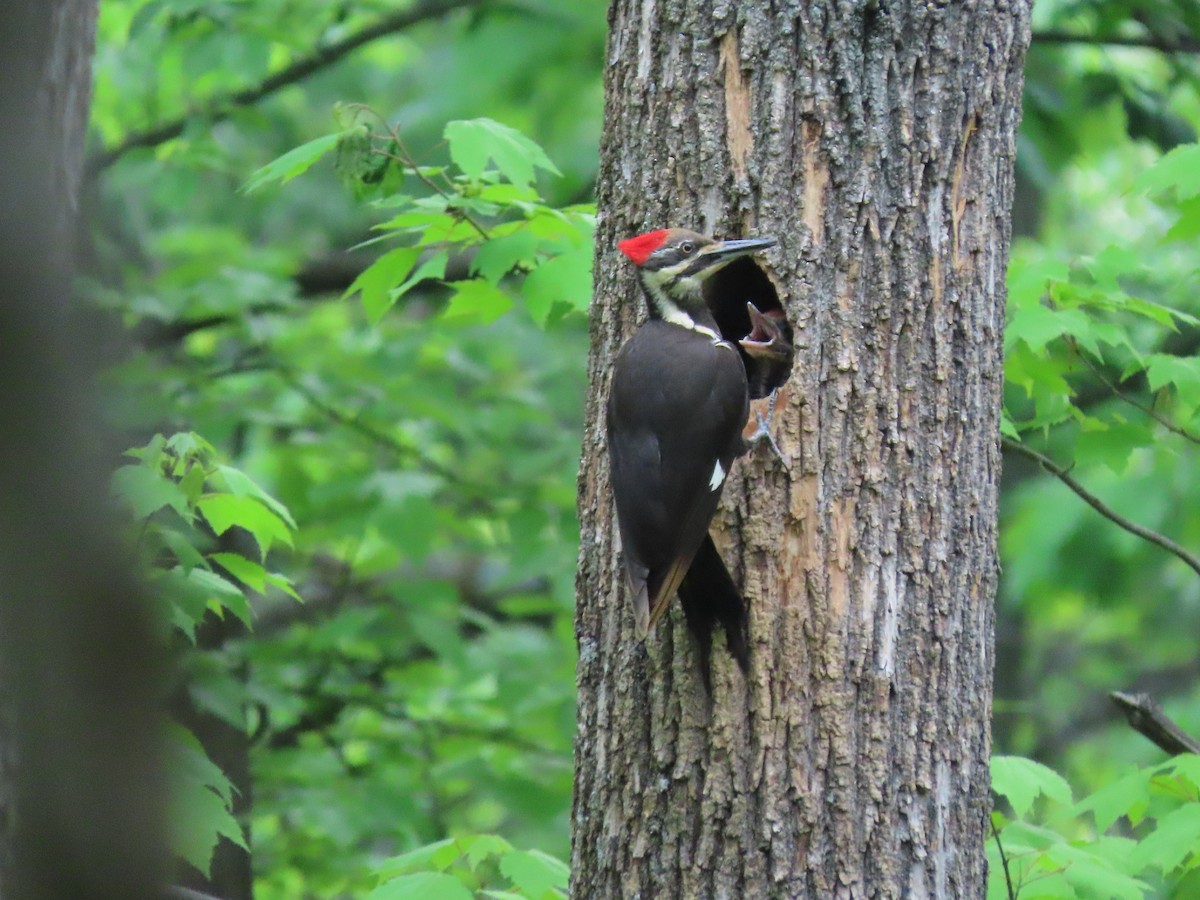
point(355, 422)
point(1094, 713)
point(221, 107)
point(1147, 718)
point(1148, 42)
point(1181, 343)
point(1099, 505)
point(1133, 401)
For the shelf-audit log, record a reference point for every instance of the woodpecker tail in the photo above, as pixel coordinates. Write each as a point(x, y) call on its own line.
point(709, 596)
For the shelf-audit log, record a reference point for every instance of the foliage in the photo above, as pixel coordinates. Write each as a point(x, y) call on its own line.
point(425, 437)
point(483, 865)
point(425, 687)
point(184, 502)
point(1136, 837)
point(491, 180)
point(1101, 314)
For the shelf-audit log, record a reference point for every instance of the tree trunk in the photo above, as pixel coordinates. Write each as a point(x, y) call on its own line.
point(80, 811)
point(875, 141)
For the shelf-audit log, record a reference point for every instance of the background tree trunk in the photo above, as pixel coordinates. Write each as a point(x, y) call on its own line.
point(875, 141)
point(80, 800)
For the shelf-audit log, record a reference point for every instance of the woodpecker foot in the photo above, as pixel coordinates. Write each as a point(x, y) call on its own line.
point(763, 433)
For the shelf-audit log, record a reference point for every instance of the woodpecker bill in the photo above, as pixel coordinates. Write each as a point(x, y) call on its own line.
point(678, 404)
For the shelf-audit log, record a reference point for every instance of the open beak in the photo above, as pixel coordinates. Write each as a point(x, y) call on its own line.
point(766, 336)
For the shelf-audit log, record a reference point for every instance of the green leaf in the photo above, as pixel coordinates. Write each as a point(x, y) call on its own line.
point(201, 819)
point(293, 163)
point(1115, 799)
point(535, 873)
point(1092, 875)
point(244, 570)
point(189, 557)
point(1028, 280)
point(422, 886)
point(283, 583)
point(220, 594)
point(414, 860)
point(146, 491)
point(1038, 325)
point(1175, 836)
point(1183, 372)
point(1187, 226)
point(1007, 428)
point(1022, 781)
point(223, 511)
point(432, 267)
point(238, 482)
point(478, 300)
point(1177, 171)
point(565, 279)
point(1112, 445)
point(481, 847)
point(474, 141)
point(191, 762)
point(201, 798)
point(496, 258)
point(377, 280)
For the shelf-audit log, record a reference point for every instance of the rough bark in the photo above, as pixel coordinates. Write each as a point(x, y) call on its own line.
point(79, 782)
point(875, 141)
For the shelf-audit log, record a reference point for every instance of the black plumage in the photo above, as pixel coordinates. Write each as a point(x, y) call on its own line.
point(678, 403)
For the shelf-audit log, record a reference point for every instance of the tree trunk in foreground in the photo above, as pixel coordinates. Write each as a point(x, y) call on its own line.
point(875, 141)
point(80, 800)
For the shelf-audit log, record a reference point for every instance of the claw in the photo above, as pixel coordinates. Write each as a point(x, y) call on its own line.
point(763, 432)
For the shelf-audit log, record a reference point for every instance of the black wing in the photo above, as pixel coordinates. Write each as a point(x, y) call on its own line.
point(675, 415)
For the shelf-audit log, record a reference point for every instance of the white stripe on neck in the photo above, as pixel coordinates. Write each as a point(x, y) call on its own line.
point(676, 315)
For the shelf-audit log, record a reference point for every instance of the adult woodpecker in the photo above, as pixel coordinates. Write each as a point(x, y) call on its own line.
point(678, 403)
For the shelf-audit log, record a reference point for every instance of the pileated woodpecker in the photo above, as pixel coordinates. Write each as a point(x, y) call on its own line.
point(678, 404)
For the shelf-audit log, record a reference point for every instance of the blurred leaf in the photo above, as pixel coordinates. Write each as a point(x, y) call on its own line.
point(478, 300)
point(1177, 172)
point(1022, 781)
point(535, 873)
point(1176, 836)
point(474, 141)
point(224, 511)
point(375, 283)
point(422, 886)
point(293, 163)
point(146, 491)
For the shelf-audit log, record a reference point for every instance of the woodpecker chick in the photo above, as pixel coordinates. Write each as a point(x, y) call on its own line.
point(770, 352)
point(769, 345)
point(678, 402)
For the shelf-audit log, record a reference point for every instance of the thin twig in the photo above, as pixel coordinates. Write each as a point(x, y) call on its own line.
point(406, 159)
point(1099, 505)
point(367, 430)
point(1148, 42)
point(1012, 895)
point(219, 108)
point(1137, 404)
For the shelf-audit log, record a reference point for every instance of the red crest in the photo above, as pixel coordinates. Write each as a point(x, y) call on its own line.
point(639, 248)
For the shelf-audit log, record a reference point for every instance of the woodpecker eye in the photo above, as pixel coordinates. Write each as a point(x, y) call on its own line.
point(687, 248)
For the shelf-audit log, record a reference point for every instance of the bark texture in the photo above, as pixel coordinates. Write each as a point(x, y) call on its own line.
point(80, 798)
point(875, 141)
